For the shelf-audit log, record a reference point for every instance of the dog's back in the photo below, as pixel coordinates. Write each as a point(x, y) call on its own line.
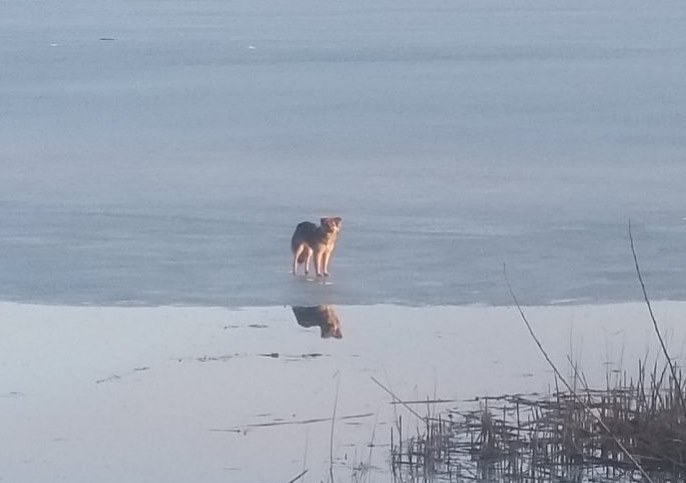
point(305, 232)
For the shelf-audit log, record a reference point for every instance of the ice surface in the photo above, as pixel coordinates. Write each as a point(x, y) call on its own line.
point(198, 394)
point(170, 164)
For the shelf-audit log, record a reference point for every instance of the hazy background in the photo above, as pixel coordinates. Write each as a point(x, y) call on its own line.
point(161, 152)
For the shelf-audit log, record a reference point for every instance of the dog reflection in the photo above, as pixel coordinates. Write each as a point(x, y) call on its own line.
point(322, 316)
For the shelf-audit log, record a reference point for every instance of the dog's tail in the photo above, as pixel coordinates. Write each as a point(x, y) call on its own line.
point(301, 258)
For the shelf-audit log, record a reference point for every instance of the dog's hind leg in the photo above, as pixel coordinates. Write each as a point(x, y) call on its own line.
point(296, 254)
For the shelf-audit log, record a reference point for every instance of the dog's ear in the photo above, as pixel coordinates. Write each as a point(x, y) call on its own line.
point(338, 220)
point(331, 222)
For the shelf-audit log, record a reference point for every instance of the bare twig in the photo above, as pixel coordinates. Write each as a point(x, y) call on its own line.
point(567, 385)
point(395, 410)
point(371, 442)
point(400, 401)
point(298, 477)
point(337, 375)
point(307, 442)
point(657, 330)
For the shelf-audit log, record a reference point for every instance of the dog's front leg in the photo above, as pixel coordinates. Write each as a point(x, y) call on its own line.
point(296, 255)
point(319, 262)
point(327, 256)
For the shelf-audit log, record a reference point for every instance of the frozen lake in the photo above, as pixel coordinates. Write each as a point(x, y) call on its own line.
point(161, 152)
point(179, 394)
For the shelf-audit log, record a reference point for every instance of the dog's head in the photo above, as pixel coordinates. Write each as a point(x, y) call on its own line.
point(332, 225)
point(331, 326)
point(329, 332)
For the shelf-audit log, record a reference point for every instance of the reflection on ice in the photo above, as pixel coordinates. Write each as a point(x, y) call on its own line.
point(323, 316)
point(212, 398)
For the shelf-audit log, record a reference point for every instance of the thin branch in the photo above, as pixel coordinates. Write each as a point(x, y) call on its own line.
point(337, 375)
point(298, 477)
point(657, 330)
point(400, 401)
point(567, 385)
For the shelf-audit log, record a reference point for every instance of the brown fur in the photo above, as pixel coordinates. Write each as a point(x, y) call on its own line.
point(322, 316)
point(310, 239)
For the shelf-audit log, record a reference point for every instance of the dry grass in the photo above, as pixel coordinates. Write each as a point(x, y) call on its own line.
point(632, 431)
point(555, 438)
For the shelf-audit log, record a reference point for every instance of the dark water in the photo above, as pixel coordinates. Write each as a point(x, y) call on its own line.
point(161, 152)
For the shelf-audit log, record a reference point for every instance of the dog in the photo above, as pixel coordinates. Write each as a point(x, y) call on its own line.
point(322, 316)
point(310, 239)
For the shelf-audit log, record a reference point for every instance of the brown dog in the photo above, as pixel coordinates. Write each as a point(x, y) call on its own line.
point(310, 239)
